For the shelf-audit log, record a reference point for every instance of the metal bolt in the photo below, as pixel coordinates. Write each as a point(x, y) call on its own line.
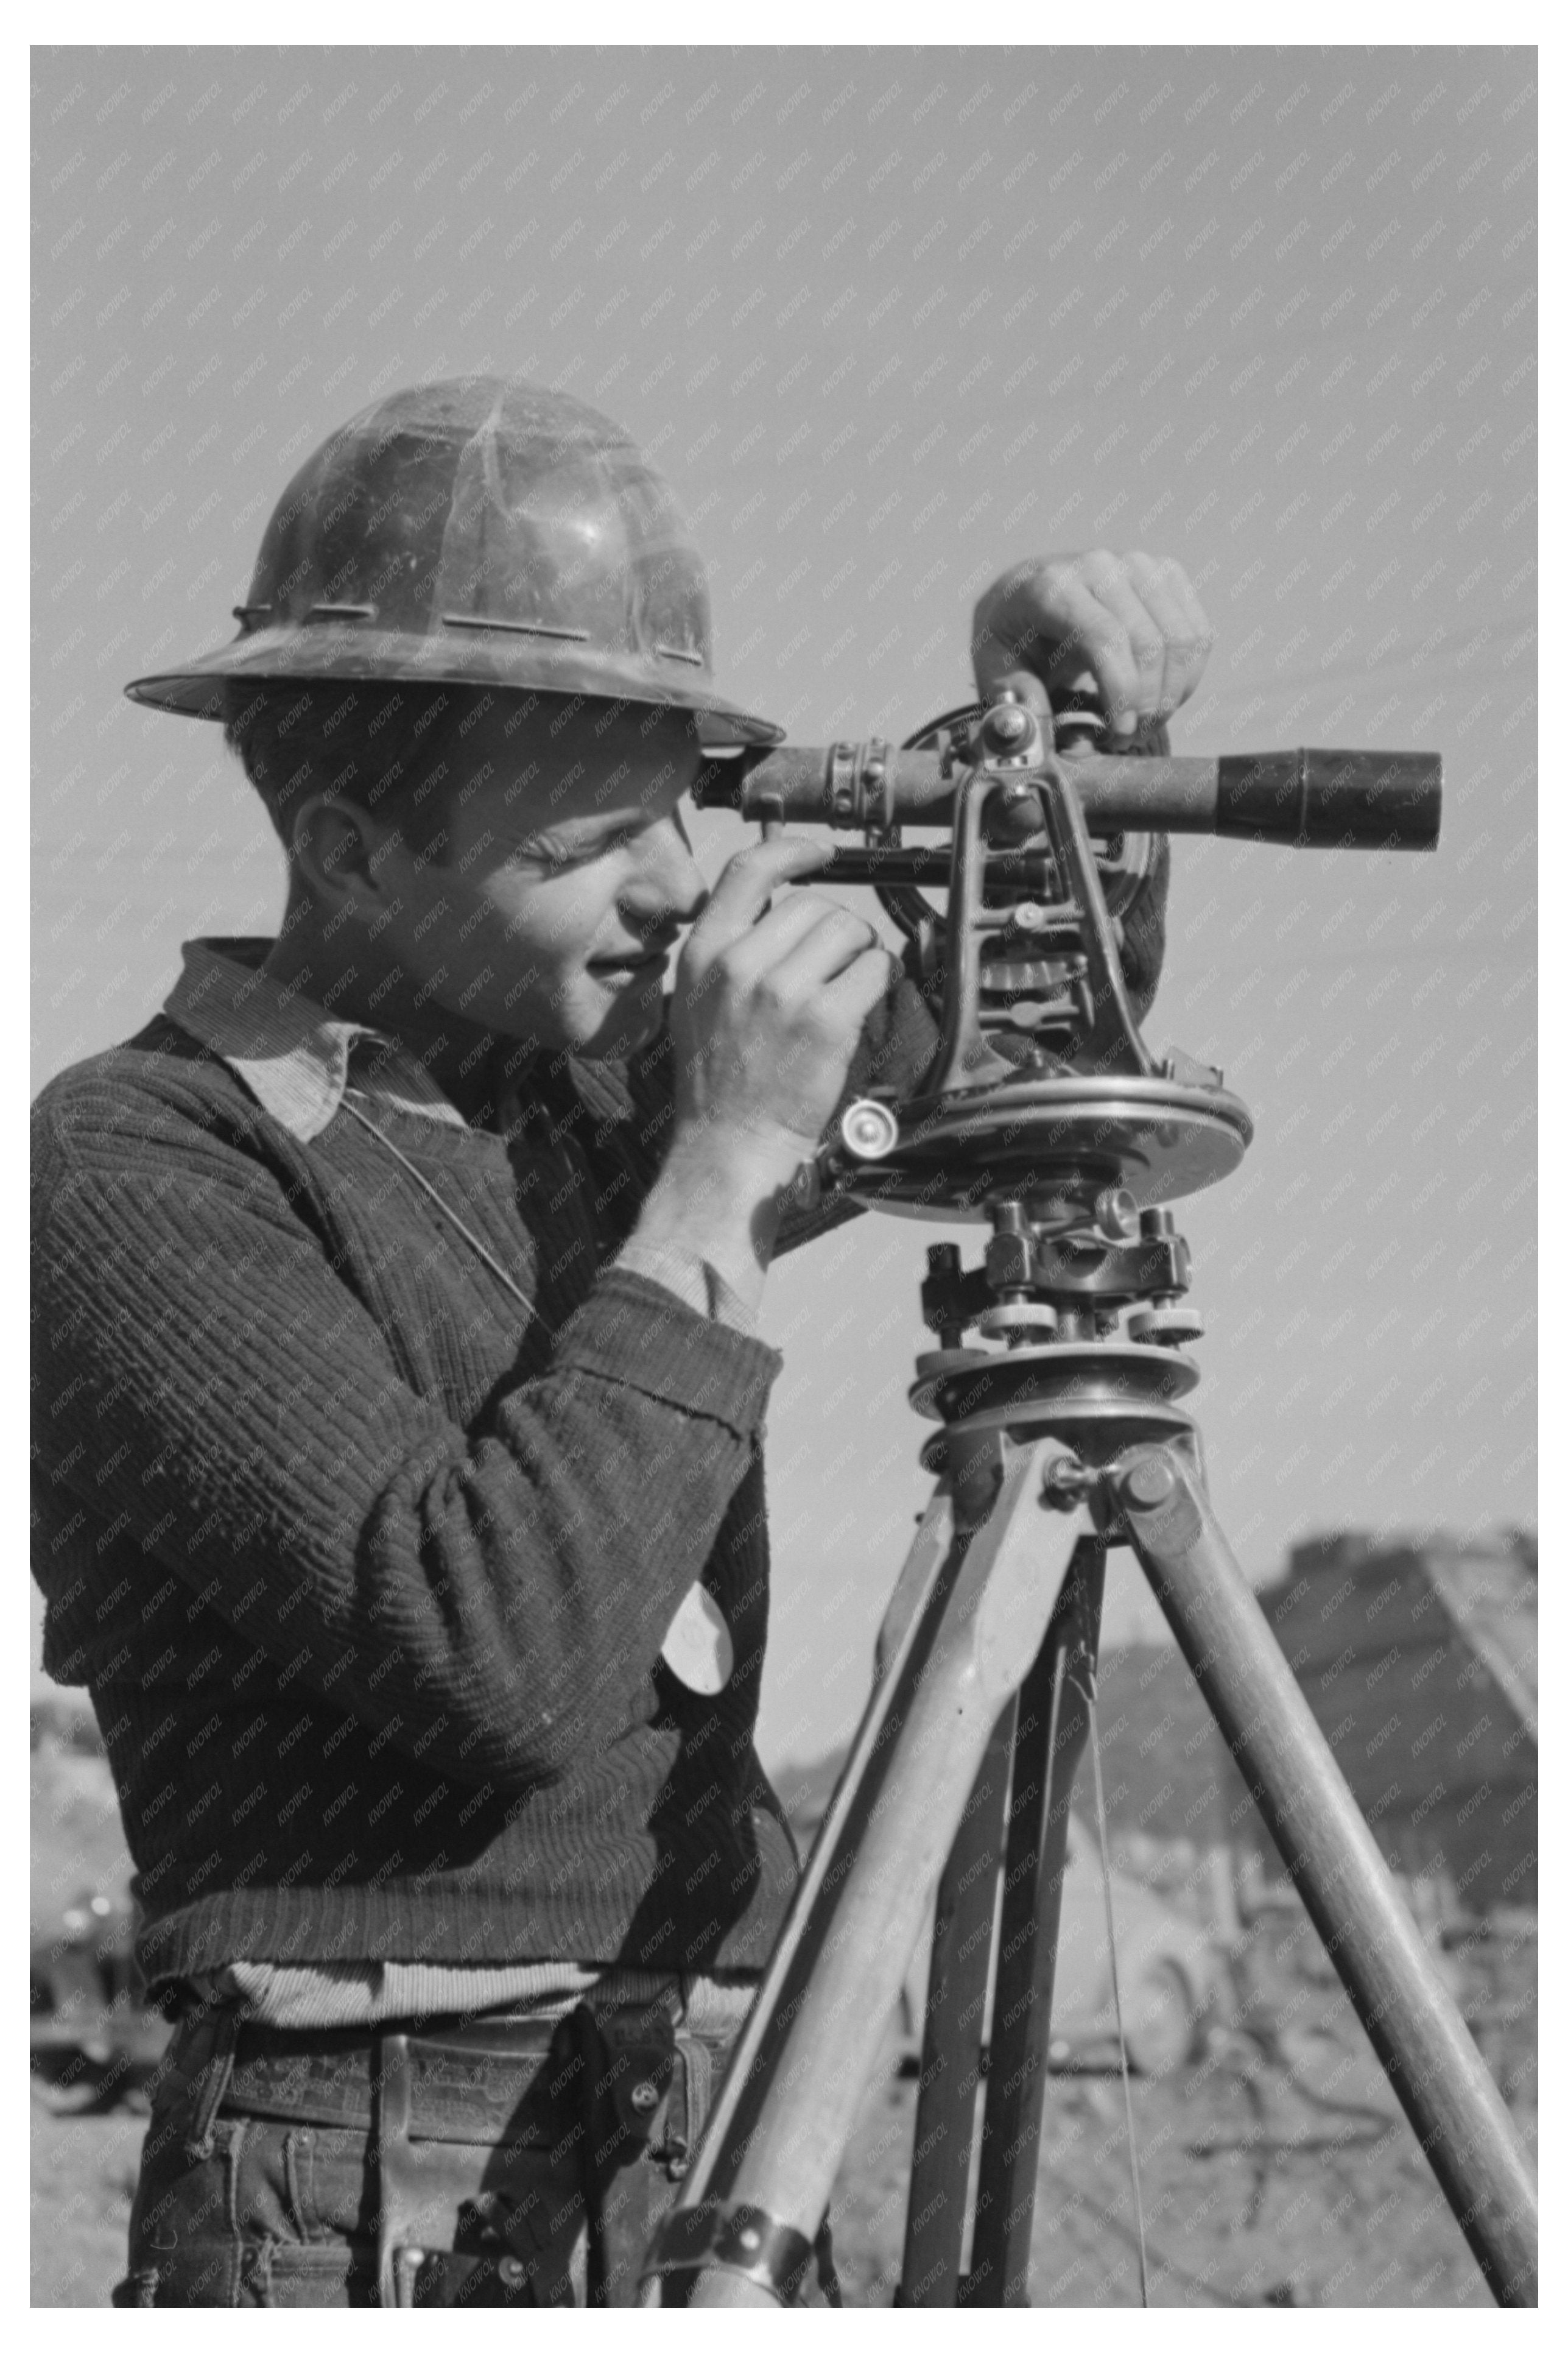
point(645, 2097)
point(1008, 723)
point(751, 2238)
point(1066, 1484)
point(513, 2271)
point(1149, 1483)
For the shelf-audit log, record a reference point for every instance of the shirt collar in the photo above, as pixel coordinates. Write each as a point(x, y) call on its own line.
point(288, 1050)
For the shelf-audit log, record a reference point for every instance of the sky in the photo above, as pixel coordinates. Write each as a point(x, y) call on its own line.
point(889, 320)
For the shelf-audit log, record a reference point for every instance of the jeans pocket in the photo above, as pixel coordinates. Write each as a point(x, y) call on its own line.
point(181, 2223)
point(326, 2182)
point(280, 2277)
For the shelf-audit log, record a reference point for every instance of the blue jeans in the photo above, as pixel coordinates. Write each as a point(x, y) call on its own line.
point(287, 2215)
point(265, 2183)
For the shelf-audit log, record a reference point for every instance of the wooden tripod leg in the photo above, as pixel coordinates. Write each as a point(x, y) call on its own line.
point(954, 2037)
point(1053, 1729)
point(1411, 2021)
point(809, 2047)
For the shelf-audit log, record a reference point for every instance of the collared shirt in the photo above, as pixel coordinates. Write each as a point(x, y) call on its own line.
point(294, 1055)
point(299, 1061)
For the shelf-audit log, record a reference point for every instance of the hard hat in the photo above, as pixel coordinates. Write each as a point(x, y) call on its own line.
point(483, 533)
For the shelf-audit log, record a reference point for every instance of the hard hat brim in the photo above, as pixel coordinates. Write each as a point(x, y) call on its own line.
point(340, 655)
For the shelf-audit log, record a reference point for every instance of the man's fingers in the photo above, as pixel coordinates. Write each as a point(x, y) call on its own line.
point(1013, 621)
point(1171, 601)
point(1057, 626)
point(1097, 637)
point(831, 947)
point(847, 1001)
point(1113, 584)
point(747, 884)
point(860, 988)
point(786, 927)
point(1134, 622)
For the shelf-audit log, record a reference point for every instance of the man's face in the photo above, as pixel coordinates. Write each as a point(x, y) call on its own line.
point(563, 881)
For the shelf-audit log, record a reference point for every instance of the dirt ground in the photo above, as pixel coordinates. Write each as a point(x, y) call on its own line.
point(1275, 2166)
point(1276, 2170)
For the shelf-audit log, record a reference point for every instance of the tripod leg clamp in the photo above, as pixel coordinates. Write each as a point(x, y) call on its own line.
point(745, 2239)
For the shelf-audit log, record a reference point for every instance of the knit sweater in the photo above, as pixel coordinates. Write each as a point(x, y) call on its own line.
point(367, 1566)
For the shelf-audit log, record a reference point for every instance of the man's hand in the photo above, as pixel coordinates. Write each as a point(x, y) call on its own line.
point(1132, 622)
point(767, 1011)
point(769, 1005)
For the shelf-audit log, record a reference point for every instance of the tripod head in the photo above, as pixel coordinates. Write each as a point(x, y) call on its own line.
point(1044, 1113)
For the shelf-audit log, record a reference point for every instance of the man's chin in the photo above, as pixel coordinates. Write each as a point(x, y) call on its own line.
point(629, 1023)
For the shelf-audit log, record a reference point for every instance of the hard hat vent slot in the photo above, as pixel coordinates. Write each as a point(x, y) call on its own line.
point(522, 629)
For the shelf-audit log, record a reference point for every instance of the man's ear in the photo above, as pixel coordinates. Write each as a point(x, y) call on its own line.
point(338, 848)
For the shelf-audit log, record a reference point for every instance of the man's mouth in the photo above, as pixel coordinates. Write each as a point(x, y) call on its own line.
point(643, 964)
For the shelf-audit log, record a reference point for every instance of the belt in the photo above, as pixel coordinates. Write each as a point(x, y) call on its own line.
point(487, 2082)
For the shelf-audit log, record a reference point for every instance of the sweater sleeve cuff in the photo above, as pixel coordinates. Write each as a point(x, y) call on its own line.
point(695, 1281)
point(637, 1332)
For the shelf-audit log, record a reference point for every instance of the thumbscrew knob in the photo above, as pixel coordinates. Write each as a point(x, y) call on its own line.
point(1007, 724)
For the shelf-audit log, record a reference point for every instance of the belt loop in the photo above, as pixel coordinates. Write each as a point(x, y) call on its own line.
point(392, 2104)
point(215, 2036)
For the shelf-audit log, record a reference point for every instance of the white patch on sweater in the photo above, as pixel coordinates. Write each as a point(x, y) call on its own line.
point(697, 1648)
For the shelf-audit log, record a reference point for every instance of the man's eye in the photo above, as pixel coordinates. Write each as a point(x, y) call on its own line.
point(558, 857)
point(548, 854)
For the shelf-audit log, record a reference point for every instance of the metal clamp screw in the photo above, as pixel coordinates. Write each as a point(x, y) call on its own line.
point(1067, 1483)
point(645, 2097)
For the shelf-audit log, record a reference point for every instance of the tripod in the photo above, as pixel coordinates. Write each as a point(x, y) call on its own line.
point(1067, 1434)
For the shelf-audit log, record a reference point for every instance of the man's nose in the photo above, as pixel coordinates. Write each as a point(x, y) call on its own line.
point(669, 886)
